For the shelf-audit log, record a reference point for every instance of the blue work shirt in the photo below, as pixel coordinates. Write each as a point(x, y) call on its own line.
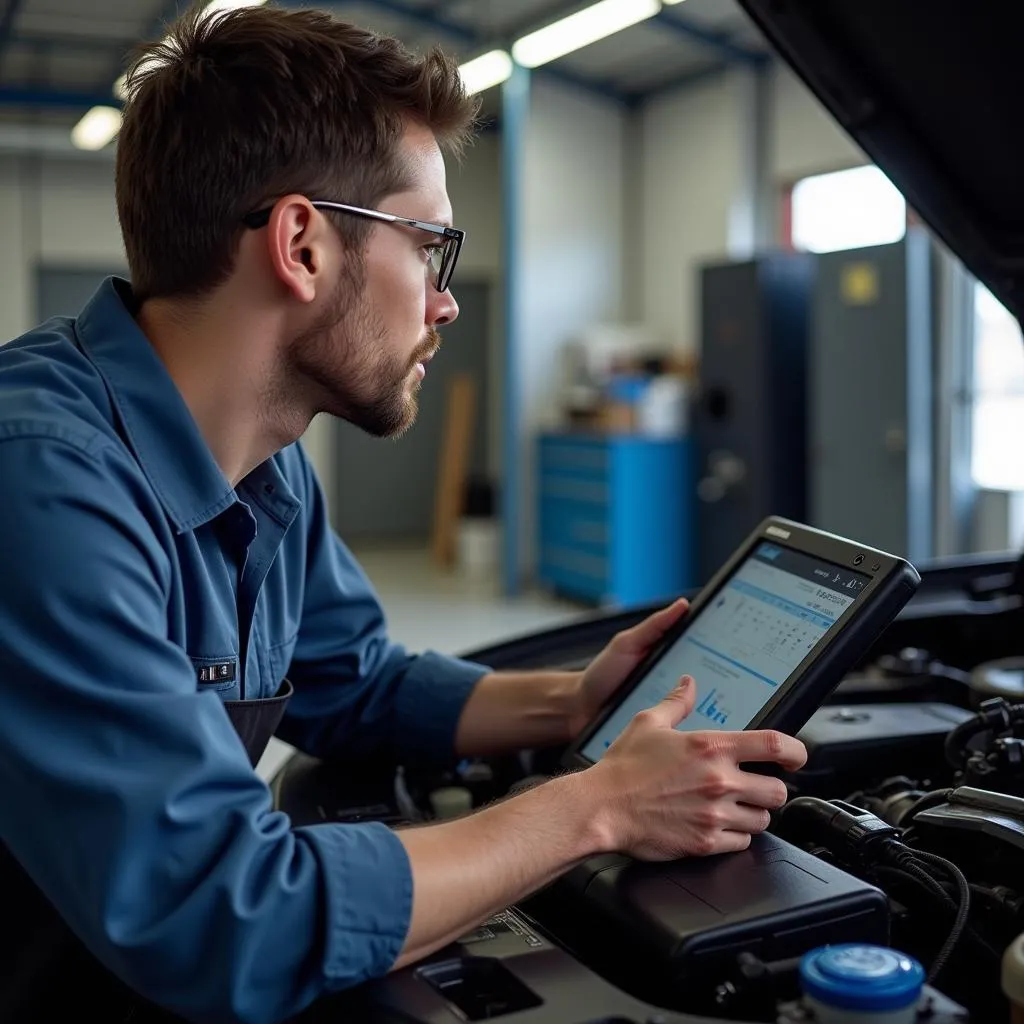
point(138, 591)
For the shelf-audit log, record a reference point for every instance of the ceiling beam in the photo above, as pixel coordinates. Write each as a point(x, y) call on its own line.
point(432, 20)
point(67, 99)
point(720, 42)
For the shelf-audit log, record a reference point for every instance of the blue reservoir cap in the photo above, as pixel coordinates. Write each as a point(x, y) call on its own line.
point(854, 976)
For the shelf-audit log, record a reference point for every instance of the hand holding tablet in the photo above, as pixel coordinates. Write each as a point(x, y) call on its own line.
point(766, 641)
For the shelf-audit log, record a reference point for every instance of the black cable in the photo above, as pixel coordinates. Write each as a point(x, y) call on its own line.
point(907, 877)
point(922, 880)
point(963, 910)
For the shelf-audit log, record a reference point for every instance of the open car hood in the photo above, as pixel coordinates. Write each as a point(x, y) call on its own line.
point(934, 94)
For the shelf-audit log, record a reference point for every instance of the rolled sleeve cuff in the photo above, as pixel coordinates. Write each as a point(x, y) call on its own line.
point(368, 900)
point(430, 701)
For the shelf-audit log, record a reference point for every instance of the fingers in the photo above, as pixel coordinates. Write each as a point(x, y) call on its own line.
point(740, 818)
point(762, 791)
point(732, 842)
point(769, 745)
point(674, 707)
point(644, 635)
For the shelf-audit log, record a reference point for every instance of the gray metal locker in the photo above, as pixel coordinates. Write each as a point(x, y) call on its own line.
point(750, 423)
point(870, 398)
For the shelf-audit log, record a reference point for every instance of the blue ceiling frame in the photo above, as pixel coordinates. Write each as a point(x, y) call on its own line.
point(720, 46)
point(29, 96)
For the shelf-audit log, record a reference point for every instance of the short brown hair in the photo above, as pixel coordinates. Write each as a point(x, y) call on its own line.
point(231, 111)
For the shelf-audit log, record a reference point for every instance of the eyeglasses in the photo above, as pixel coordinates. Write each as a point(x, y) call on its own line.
point(442, 259)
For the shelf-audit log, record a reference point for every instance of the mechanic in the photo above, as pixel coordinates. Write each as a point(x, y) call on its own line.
point(173, 593)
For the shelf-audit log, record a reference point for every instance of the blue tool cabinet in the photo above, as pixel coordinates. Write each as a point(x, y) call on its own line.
point(615, 516)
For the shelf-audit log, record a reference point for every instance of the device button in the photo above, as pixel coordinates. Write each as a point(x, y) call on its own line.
point(876, 567)
point(858, 559)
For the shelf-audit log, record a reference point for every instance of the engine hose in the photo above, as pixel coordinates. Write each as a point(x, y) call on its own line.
point(996, 715)
point(935, 797)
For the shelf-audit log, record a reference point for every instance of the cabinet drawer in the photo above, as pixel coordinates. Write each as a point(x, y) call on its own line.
point(565, 488)
point(583, 460)
point(574, 524)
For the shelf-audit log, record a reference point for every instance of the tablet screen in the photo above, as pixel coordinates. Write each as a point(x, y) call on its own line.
point(745, 643)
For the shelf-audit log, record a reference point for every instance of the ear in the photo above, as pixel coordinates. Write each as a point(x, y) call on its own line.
point(297, 241)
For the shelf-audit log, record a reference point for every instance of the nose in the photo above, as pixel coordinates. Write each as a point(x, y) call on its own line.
point(441, 307)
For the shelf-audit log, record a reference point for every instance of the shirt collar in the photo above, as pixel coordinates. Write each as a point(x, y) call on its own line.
point(158, 424)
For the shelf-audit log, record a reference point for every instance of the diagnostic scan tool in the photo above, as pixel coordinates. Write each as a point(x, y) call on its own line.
point(769, 637)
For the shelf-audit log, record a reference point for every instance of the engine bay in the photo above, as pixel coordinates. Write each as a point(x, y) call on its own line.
point(905, 828)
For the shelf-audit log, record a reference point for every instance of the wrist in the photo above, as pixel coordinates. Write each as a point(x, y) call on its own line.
point(566, 694)
point(589, 810)
point(579, 710)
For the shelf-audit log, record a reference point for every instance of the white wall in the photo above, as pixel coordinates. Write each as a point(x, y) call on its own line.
point(804, 138)
point(692, 175)
point(695, 189)
point(474, 186)
point(571, 248)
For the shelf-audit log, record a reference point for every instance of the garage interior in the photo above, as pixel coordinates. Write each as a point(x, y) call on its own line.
point(689, 300)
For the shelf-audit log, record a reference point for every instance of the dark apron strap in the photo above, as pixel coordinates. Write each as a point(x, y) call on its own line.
point(256, 721)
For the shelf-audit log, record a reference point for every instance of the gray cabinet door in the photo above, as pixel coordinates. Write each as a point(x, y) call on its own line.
point(870, 397)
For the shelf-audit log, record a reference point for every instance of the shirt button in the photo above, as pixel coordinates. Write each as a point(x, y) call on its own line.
point(268, 488)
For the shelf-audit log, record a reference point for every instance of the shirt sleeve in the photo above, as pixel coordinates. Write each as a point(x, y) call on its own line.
point(128, 797)
point(357, 692)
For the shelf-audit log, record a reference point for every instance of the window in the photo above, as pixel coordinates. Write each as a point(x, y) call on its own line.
point(846, 210)
point(997, 461)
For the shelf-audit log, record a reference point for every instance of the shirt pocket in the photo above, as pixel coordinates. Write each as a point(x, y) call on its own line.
point(279, 657)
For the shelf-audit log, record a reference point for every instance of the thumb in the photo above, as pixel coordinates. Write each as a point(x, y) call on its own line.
point(678, 703)
point(644, 635)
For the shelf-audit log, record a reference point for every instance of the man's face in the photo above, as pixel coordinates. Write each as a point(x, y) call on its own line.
point(367, 354)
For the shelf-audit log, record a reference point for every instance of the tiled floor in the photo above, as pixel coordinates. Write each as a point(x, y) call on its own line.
point(427, 607)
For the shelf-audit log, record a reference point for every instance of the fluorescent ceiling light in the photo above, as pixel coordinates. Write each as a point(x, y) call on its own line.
point(580, 29)
point(96, 128)
point(669, 3)
point(485, 71)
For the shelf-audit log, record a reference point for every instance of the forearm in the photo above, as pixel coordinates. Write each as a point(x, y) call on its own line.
point(466, 870)
point(511, 711)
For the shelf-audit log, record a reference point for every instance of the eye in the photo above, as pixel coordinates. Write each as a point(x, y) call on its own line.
point(432, 250)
